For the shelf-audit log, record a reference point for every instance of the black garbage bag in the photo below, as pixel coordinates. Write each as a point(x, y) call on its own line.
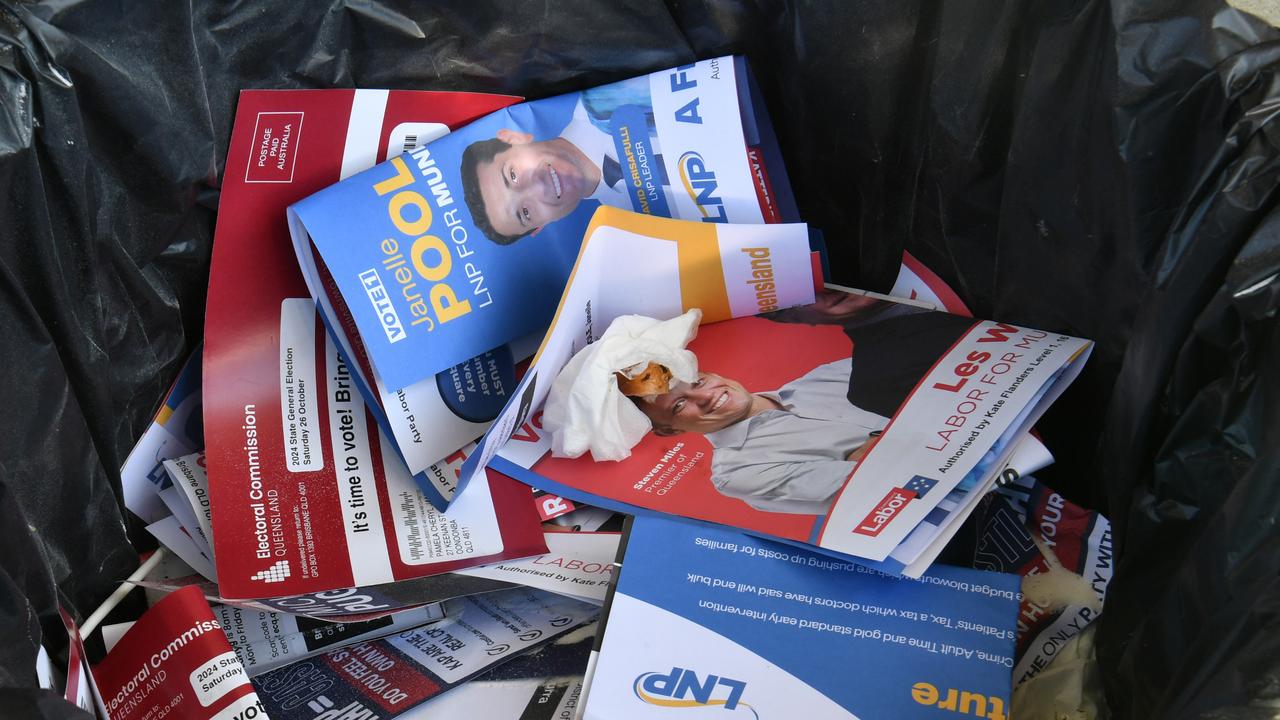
point(1106, 169)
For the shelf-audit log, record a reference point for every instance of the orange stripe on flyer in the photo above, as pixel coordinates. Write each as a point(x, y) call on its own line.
point(701, 274)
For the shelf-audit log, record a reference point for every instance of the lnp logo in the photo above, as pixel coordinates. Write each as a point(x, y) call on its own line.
point(701, 185)
point(888, 508)
point(682, 688)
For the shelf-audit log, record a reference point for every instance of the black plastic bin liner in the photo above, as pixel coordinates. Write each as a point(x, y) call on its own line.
point(1103, 169)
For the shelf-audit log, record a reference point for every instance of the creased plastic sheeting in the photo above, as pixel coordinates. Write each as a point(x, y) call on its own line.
point(1190, 452)
point(1105, 169)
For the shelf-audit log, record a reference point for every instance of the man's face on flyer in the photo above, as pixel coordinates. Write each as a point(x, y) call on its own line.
point(708, 404)
point(530, 183)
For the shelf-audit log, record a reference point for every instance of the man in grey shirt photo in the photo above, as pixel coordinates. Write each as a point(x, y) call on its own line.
point(788, 451)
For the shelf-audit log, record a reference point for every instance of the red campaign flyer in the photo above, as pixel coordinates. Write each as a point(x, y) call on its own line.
point(79, 690)
point(861, 426)
point(176, 663)
point(308, 492)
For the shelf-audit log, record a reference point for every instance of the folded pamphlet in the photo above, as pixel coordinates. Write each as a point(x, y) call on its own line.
point(844, 424)
point(265, 641)
point(345, 605)
point(719, 622)
point(446, 252)
point(388, 677)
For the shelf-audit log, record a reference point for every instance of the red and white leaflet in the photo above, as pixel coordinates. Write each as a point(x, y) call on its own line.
point(307, 494)
point(176, 663)
point(917, 282)
point(951, 398)
point(947, 415)
point(80, 690)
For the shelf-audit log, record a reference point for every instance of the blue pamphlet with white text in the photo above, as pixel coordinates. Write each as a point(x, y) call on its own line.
point(463, 245)
point(723, 625)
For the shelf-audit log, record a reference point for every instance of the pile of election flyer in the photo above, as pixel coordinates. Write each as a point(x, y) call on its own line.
point(889, 420)
point(187, 660)
point(431, 269)
point(417, 665)
point(359, 510)
point(710, 619)
point(300, 521)
point(274, 465)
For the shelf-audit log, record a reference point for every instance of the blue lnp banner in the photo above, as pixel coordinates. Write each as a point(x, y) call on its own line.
point(708, 617)
point(458, 246)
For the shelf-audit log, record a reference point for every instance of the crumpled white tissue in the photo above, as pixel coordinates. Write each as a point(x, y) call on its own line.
point(585, 410)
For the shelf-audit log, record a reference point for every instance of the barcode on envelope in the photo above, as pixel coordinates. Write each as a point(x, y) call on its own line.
point(410, 136)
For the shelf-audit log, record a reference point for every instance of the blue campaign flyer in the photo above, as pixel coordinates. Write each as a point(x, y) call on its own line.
point(464, 244)
point(710, 623)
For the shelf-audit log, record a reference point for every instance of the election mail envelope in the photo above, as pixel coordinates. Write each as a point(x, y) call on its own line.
point(298, 538)
point(260, 316)
point(446, 252)
point(176, 662)
point(260, 319)
point(716, 623)
point(307, 491)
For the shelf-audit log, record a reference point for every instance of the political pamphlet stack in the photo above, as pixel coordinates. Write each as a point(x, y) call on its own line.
point(370, 484)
